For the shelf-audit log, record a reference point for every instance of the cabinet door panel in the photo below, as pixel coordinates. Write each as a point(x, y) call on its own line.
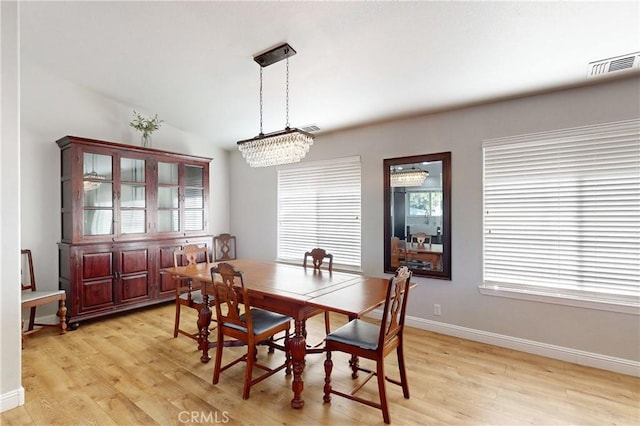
point(167, 283)
point(96, 294)
point(134, 287)
point(134, 274)
point(132, 261)
point(97, 265)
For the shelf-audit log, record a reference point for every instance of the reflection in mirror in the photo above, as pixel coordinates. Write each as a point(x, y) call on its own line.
point(417, 214)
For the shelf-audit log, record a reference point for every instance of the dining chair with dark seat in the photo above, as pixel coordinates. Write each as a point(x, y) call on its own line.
point(31, 298)
point(224, 247)
point(249, 325)
point(318, 256)
point(421, 238)
point(188, 294)
point(374, 342)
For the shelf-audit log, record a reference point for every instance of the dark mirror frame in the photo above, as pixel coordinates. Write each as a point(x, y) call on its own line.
point(445, 157)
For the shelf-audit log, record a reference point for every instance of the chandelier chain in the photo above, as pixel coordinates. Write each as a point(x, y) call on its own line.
point(260, 100)
point(287, 101)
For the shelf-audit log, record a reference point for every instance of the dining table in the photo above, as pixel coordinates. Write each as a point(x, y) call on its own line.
point(290, 290)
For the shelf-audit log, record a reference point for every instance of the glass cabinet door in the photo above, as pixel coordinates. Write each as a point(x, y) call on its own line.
point(168, 197)
point(194, 198)
point(97, 180)
point(132, 195)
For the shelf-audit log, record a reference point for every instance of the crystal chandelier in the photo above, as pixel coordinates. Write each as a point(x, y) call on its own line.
point(92, 180)
point(282, 147)
point(94, 183)
point(413, 177)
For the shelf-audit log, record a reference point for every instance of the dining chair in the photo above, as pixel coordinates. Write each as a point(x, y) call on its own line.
point(31, 297)
point(374, 342)
point(249, 325)
point(421, 238)
point(224, 247)
point(318, 256)
point(188, 294)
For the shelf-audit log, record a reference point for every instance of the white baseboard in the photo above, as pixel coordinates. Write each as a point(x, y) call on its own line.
point(12, 399)
point(590, 359)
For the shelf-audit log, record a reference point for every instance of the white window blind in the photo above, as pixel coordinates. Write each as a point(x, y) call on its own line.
point(319, 206)
point(562, 213)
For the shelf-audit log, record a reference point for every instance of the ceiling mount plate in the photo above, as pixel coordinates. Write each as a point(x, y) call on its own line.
point(274, 55)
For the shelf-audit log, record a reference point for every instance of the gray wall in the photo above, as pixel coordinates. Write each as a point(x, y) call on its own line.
point(610, 334)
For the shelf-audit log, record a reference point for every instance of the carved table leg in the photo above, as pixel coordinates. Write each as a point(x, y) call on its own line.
point(204, 320)
point(328, 367)
point(298, 347)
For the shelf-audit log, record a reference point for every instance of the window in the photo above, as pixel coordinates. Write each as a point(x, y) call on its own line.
point(562, 217)
point(319, 206)
point(425, 203)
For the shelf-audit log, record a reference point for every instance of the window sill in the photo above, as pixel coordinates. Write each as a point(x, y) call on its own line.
point(624, 307)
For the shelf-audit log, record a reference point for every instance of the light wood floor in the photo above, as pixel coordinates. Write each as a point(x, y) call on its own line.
point(129, 370)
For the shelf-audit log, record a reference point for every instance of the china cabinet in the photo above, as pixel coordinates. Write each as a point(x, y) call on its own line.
point(124, 210)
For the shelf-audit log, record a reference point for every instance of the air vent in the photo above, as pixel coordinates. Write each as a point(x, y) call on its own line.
point(630, 62)
point(310, 128)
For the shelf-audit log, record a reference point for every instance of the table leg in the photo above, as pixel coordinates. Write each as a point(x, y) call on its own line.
point(204, 320)
point(298, 347)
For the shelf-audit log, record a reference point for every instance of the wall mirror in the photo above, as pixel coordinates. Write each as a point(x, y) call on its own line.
point(417, 214)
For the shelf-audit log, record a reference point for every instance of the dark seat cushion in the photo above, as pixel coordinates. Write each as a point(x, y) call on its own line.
point(196, 296)
point(262, 321)
point(357, 333)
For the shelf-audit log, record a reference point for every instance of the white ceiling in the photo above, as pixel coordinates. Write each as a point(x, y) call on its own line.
point(357, 62)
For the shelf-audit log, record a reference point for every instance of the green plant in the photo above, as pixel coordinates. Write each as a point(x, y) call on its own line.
point(145, 125)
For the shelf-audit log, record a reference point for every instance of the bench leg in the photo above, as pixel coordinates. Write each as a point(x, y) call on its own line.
point(62, 313)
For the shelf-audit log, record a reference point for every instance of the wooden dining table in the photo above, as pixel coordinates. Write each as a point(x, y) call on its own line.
point(294, 291)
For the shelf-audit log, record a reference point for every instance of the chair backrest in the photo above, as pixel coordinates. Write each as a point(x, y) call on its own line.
point(27, 282)
point(318, 255)
point(191, 255)
point(229, 294)
point(422, 238)
point(224, 247)
point(395, 306)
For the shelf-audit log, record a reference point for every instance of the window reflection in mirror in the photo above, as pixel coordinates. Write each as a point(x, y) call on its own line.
point(417, 214)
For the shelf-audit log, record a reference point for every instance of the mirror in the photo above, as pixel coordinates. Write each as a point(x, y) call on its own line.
point(417, 214)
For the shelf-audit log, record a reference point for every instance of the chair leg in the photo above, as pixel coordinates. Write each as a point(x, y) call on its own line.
point(251, 351)
point(176, 323)
point(32, 318)
point(403, 372)
point(218, 363)
point(328, 367)
point(287, 353)
point(382, 391)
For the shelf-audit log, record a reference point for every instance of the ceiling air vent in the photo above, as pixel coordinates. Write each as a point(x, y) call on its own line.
point(310, 128)
point(630, 62)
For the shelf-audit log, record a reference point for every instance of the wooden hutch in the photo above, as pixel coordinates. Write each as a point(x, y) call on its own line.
point(124, 210)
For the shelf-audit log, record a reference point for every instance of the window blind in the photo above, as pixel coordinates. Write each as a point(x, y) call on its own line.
point(319, 206)
point(562, 213)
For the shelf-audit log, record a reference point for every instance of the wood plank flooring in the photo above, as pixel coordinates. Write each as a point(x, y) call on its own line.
point(129, 370)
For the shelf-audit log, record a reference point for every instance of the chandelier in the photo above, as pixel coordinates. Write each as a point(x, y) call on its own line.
point(282, 147)
point(92, 180)
point(413, 177)
point(94, 183)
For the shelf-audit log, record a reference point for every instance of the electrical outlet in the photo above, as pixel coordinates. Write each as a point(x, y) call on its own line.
point(436, 310)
